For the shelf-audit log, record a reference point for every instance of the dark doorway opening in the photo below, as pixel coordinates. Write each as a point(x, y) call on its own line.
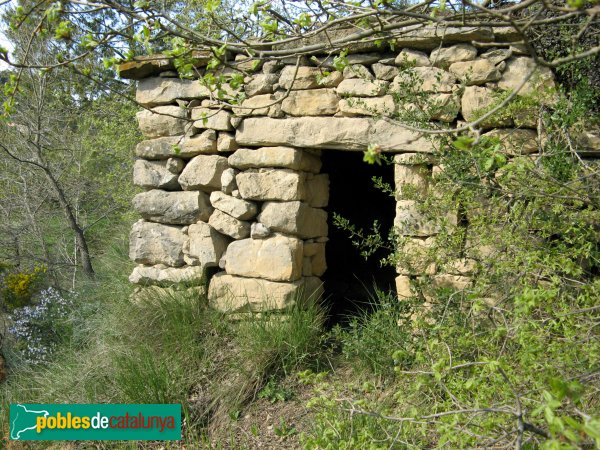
point(350, 279)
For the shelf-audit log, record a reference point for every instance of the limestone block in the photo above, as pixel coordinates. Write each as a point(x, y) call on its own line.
point(375, 106)
point(411, 222)
point(444, 107)
point(444, 57)
point(412, 58)
point(160, 148)
point(352, 58)
point(478, 99)
point(210, 118)
point(357, 71)
point(284, 157)
point(317, 190)
point(272, 184)
point(228, 225)
point(295, 218)
point(463, 266)
point(231, 294)
point(431, 36)
point(259, 231)
point(261, 84)
point(235, 207)
point(277, 258)
point(515, 141)
point(165, 276)
point(456, 282)
point(518, 68)
point(403, 287)
point(157, 174)
point(203, 143)
point(423, 79)
point(317, 102)
point(342, 133)
point(162, 121)
point(318, 262)
point(306, 78)
point(358, 87)
point(153, 243)
point(256, 106)
point(416, 257)
point(204, 246)
point(157, 91)
point(498, 55)
point(228, 184)
point(414, 158)
point(226, 142)
point(306, 267)
point(203, 173)
point(476, 72)
point(415, 176)
point(385, 72)
point(177, 208)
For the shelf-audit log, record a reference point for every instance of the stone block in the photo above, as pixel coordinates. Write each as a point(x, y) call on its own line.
point(175, 208)
point(235, 207)
point(157, 91)
point(385, 72)
point(424, 79)
point(445, 56)
point(478, 99)
point(412, 58)
point(153, 243)
point(205, 246)
point(228, 184)
point(272, 184)
point(515, 141)
point(261, 84)
point(317, 190)
point(210, 118)
point(316, 102)
point(518, 68)
point(358, 87)
point(403, 287)
point(157, 174)
point(165, 276)
point(203, 173)
point(256, 106)
point(357, 71)
point(226, 142)
point(228, 225)
point(306, 78)
point(295, 218)
point(233, 294)
point(374, 106)
point(476, 72)
point(277, 258)
point(162, 121)
point(415, 176)
point(284, 157)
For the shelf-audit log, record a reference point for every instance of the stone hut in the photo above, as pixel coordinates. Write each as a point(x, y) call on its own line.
point(238, 194)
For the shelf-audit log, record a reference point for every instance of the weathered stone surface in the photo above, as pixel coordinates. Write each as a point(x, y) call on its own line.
point(157, 174)
point(272, 66)
point(589, 140)
point(374, 106)
point(203, 143)
point(272, 184)
point(145, 66)
point(476, 72)
point(477, 100)
point(204, 246)
point(498, 55)
point(306, 78)
point(444, 57)
point(157, 91)
point(177, 208)
point(317, 190)
point(412, 58)
point(431, 36)
point(210, 118)
point(316, 255)
point(411, 222)
point(228, 225)
point(226, 142)
point(317, 102)
point(515, 141)
point(462, 266)
point(161, 148)
point(256, 106)
point(358, 87)
point(203, 173)
point(295, 218)
point(385, 72)
point(403, 288)
point(153, 243)
point(261, 84)
point(164, 276)
point(235, 207)
point(444, 107)
point(417, 258)
point(340, 133)
point(423, 79)
point(414, 158)
point(353, 58)
point(285, 157)
point(259, 231)
point(518, 68)
point(238, 294)
point(228, 184)
point(357, 71)
point(278, 258)
point(415, 177)
point(162, 121)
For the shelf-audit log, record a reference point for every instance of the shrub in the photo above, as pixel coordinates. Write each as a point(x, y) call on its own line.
point(18, 288)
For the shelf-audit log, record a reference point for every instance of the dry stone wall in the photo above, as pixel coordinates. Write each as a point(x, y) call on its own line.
point(237, 190)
